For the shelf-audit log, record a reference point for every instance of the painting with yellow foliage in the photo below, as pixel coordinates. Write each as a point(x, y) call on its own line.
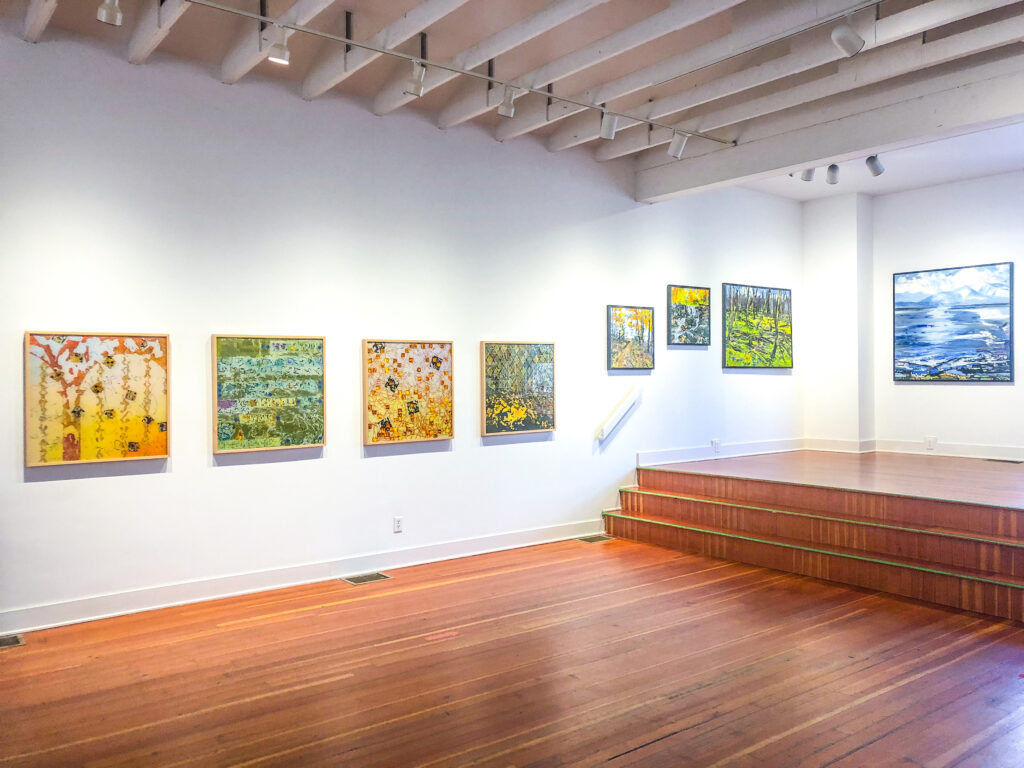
point(689, 315)
point(518, 387)
point(95, 397)
point(407, 391)
point(630, 337)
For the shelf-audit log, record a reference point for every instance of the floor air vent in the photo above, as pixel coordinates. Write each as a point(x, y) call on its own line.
point(366, 578)
point(11, 641)
point(596, 539)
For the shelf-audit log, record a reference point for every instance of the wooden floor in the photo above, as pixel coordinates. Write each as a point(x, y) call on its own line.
point(950, 478)
point(617, 654)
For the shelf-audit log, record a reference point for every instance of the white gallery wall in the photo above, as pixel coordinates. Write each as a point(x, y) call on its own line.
point(155, 199)
point(970, 222)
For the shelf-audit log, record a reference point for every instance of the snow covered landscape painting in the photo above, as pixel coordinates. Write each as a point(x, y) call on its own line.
point(954, 324)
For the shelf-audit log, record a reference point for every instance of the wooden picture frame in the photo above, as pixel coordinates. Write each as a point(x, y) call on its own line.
point(518, 412)
point(275, 409)
point(645, 317)
point(390, 418)
point(68, 365)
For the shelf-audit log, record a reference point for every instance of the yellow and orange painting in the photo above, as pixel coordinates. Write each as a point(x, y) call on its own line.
point(630, 337)
point(407, 391)
point(92, 397)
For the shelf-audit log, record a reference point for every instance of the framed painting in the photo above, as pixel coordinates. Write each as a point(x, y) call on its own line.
point(268, 393)
point(517, 385)
point(757, 327)
point(953, 324)
point(407, 391)
point(95, 397)
point(689, 316)
point(630, 338)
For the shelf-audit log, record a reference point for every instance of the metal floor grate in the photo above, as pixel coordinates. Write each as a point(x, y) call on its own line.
point(366, 578)
point(11, 641)
point(595, 539)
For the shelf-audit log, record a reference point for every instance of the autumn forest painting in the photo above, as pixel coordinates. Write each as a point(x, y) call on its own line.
point(630, 337)
point(757, 327)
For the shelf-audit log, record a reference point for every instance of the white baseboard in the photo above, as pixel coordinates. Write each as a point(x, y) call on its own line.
point(839, 446)
point(27, 619)
point(673, 455)
point(966, 450)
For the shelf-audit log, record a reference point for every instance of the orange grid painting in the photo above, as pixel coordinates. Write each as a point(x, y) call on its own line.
point(407, 391)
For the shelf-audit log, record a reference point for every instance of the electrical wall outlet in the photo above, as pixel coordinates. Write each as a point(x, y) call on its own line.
point(929, 442)
point(716, 445)
point(396, 524)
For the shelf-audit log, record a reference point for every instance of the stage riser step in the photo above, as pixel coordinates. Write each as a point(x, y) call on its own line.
point(994, 558)
point(885, 508)
point(965, 594)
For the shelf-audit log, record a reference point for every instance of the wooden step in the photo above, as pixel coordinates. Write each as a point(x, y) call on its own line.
point(996, 556)
point(889, 508)
point(958, 588)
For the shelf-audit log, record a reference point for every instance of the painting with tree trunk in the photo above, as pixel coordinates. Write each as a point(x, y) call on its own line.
point(95, 397)
point(407, 391)
point(268, 393)
point(630, 337)
point(689, 315)
point(757, 327)
point(518, 387)
point(953, 324)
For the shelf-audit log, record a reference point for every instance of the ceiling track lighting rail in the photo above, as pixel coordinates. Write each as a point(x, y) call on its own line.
point(423, 62)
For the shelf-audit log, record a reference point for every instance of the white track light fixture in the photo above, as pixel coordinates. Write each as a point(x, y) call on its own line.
point(875, 165)
point(832, 174)
point(507, 108)
point(846, 40)
point(110, 13)
point(677, 145)
point(609, 125)
point(279, 53)
point(807, 174)
point(417, 86)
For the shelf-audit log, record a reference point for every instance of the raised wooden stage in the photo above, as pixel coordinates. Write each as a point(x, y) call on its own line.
point(936, 528)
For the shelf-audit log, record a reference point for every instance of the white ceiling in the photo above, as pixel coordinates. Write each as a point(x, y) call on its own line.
point(759, 83)
point(984, 153)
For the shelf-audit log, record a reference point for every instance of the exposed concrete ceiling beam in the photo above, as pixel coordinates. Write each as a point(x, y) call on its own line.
point(393, 95)
point(337, 64)
point(36, 18)
point(153, 26)
point(475, 97)
point(931, 106)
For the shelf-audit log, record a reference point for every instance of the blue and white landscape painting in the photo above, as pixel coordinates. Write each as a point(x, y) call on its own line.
point(954, 324)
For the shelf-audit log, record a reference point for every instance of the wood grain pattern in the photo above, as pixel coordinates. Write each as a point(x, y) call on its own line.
point(613, 654)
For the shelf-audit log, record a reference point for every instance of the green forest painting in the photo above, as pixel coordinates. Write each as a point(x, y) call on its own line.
point(630, 337)
point(269, 392)
point(518, 387)
point(757, 327)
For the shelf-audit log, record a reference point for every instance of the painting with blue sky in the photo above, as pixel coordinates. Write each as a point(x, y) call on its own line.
point(954, 324)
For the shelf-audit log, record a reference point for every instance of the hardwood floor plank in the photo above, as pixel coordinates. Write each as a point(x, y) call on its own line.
point(564, 654)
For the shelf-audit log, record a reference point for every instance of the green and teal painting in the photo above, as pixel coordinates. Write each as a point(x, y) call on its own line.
point(269, 392)
point(757, 327)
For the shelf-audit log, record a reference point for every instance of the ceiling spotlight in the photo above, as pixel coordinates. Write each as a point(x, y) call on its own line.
point(508, 102)
point(807, 174)
point(677, 145)
point(416, 86)
point(109, 13)
point(609, 124)
point(875, 165)
point(832, 175)
point(279, 49)
point(846, 40)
